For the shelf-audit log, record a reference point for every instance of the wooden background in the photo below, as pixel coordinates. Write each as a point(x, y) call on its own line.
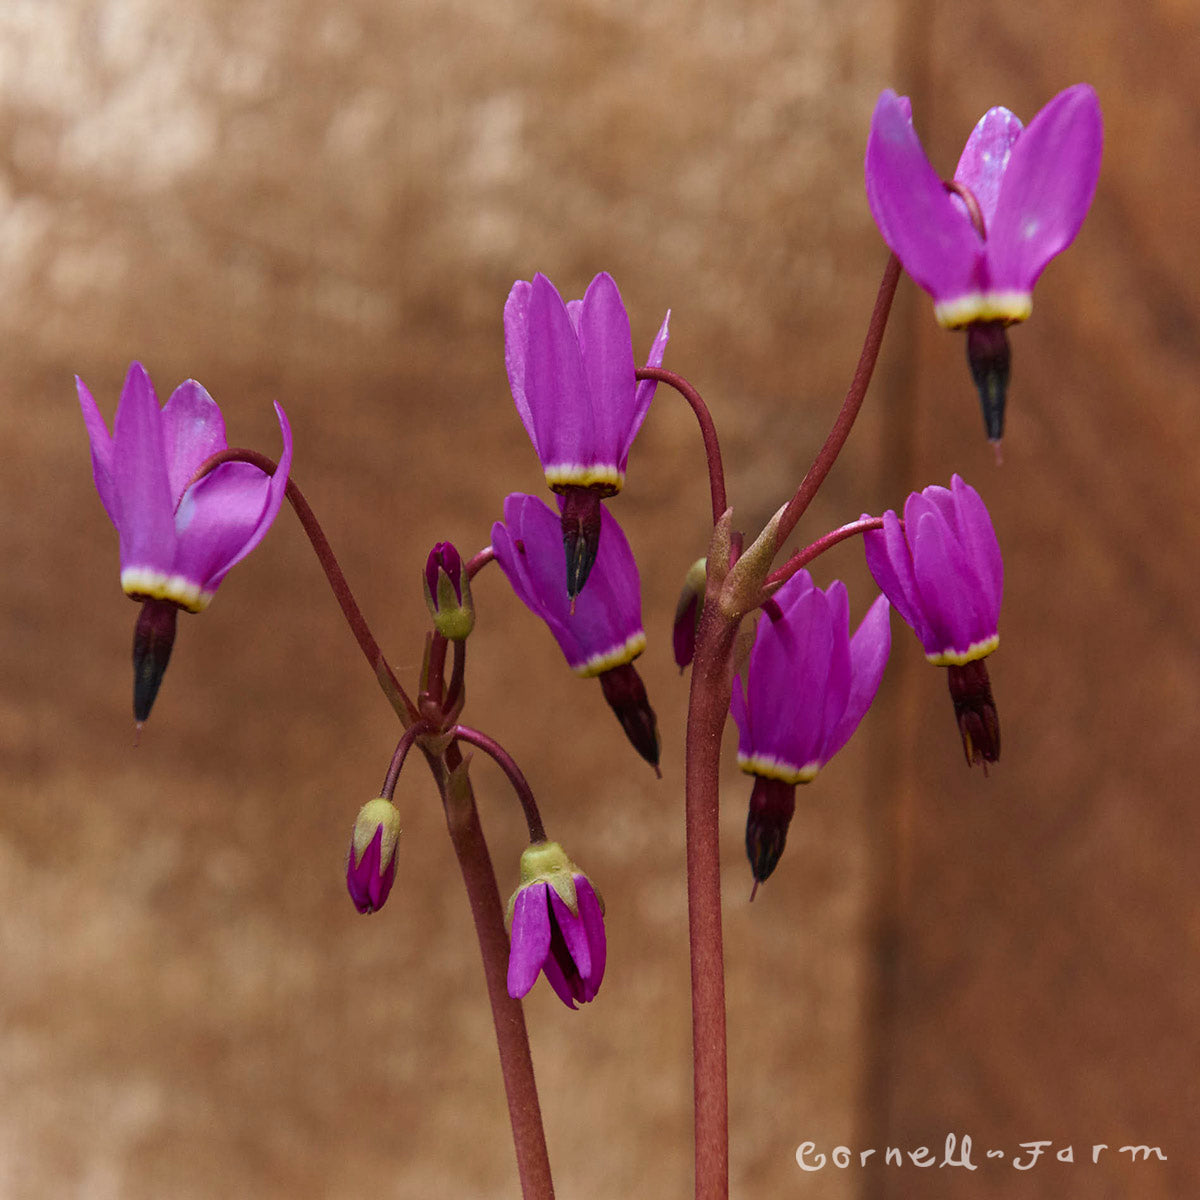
point(326, 205)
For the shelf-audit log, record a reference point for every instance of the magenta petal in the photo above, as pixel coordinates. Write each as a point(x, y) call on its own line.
point(890, 562)
point(978, 536)
point(556, 385)
point(592, 917)
point(606, 347)
point(1047, 188)
point(740, 711)
point(985, 158)
point(573, 932)
point(193, 430)
point(608, 612)
point(141, 487)
point(558, 981)
point(949, 592)
point(102, 450)
point(869, 650)
point(837, 677)
point(530, 941)
point(645, 389)
point(516, 344)
point(934, 240)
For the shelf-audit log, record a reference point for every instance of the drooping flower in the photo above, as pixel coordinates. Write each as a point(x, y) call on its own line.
point(371, 860)
point(942, 571)
point(1018, 198)
point(571, 370)
point(601, 633)
point(178, 539)
point(807, 686)
point(557, 927)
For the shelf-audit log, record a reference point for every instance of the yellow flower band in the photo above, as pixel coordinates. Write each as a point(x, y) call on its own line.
point(618, 656)
point(960, 658)
point(144, 583)
point(983, 306)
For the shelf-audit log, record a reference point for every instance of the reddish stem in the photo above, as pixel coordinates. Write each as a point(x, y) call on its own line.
point(803, 557)
point(384, 675)
point(709, 702)
point(829, 452)
point(501, 757)
point(481, 560)
point(712, 447)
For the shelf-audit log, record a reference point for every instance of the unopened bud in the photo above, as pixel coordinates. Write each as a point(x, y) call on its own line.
point(153, 637)
point(988, 354)
point(448, 592)
point(371, 863)
point(975, 710)
point(687, 612)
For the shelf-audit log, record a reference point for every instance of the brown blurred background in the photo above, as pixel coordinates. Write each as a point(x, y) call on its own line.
point(326, 204)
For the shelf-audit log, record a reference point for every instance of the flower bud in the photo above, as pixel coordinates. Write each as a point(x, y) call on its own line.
point(448, 593)
point(687, 612)
point(557, 927)
point(371, 863)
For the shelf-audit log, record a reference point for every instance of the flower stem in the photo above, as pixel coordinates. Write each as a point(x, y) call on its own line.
point(501, 757)
point(836, 439)
point(712, 447)
point(508, 1017)
point(711, 685)
point(803, 557)
point(384, 675)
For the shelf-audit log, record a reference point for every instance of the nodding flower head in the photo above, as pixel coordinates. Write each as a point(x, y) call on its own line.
point(557, 927)
point(807, 686)
point(943, 573)
point(178, 539)
point(977, 246)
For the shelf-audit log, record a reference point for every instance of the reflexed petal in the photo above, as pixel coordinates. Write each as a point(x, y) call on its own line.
point(227, 513)
point(516, 346)
point(645, 389)
point(978, 536)
point(869, 650)
point(985, 157)
point(890, 562)
point(140, 484)
point(556, 386)
point(837, 680)
point(193, 430)
point(530, 941)
point(606, 347)
point(950, 598)
point(102, 450)
point(1047, 189)
point(933, 239)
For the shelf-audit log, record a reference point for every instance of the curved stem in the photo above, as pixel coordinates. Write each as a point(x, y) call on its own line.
point(508, 1017)
point(712, 446)
point(803, 557)
point(403, 746)
point(481, 560)
point(384, 675)
point(836, 439)
point(710, 689)
point(501, 757)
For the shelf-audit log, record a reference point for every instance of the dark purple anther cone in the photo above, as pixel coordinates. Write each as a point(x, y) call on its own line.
point(975, 711)
point(153, 637)
point(988, 354)
point(580, 533)
point(772, 805)
point(626, 696)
